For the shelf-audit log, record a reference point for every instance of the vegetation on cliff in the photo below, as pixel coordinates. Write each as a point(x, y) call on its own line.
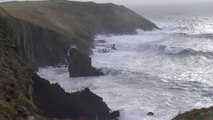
point(15, 82)
point(201, 114)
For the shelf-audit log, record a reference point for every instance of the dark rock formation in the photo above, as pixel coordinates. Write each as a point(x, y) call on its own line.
point(113, 47)
point(54, 102)
point(35, 43)
point(150, 113)
point(114, 115)
point(80, 64)
point(196, 114)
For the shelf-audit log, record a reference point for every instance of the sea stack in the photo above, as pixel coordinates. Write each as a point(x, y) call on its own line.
point(80, 64)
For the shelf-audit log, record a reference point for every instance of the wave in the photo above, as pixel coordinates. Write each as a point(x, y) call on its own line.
point(182, 34)
point(189, 51)
point(208, 36)
point(110, 71)
point(205, 36)
point(181, 51)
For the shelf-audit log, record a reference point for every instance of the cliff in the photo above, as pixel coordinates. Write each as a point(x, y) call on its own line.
point(35, 34)
point(44, 31)
point(24, 95)
point(15, 81)
point(196, 114)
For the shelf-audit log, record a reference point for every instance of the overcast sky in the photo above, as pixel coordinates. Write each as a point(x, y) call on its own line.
point(138, 2)
point(141, 2)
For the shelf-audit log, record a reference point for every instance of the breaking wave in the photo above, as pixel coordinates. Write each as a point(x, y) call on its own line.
point(183, 52)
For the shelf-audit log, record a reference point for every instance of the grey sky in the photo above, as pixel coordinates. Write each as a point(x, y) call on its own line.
point(140, 2)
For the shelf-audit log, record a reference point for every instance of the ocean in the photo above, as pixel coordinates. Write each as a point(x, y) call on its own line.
point(167, 71)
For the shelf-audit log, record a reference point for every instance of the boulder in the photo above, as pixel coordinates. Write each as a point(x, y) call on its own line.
point(113, 47)
point(150, 114)
point(114, 115)
point(54, 102)
point(80, 64)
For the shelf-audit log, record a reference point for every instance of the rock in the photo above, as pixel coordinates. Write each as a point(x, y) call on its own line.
point(99, 41)
point(80, 64)
point(54, 102)
point(196, 114)
point(114, 115)
point(113, 47)
point(104, 50)
point(150, 114)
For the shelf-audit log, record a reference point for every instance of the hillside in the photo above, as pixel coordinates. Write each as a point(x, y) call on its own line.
point(67, 17)
point(50, 28)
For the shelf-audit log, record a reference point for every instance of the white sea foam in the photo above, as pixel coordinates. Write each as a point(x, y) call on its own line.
point(146, 73)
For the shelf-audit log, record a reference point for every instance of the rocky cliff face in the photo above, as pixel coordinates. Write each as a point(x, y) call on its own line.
point(38, 46)
point(24, 95)
point(15, 82)
point(44, 31)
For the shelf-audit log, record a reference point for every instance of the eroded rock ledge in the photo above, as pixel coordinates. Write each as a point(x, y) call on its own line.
point(54, 102)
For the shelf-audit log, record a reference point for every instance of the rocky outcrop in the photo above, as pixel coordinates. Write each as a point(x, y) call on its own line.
point(54, 102)
point(43, 34)
point(80, 64)
point(201, 114)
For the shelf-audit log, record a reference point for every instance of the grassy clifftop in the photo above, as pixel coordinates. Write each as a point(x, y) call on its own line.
point(201, 114)
point(67, 17)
